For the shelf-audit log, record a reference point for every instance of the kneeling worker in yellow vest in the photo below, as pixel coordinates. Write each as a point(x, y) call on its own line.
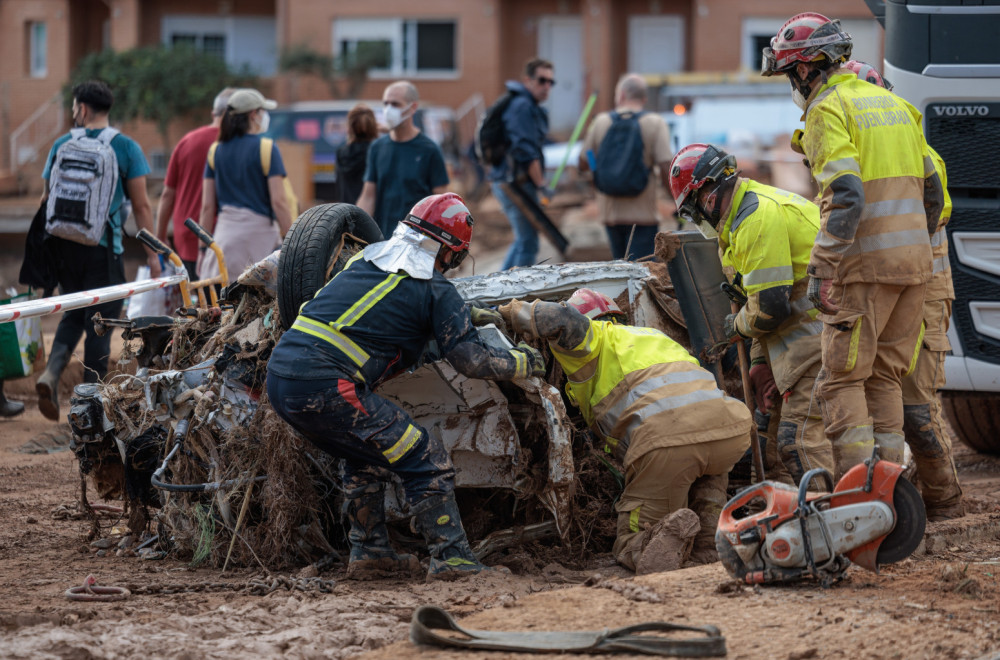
point(766, 235)
point(658, 411)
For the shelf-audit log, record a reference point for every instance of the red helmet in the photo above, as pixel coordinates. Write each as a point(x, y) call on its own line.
point(694, 166)
point(868, 73)
point(594, 304)
point(805, 37)
point(446, 219)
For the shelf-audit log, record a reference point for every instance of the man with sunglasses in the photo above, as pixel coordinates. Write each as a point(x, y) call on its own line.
point(526, 124)
point(370, 322)
point(880, 202)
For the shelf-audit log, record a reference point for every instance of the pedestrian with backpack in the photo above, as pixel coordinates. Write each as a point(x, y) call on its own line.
point(513, 147)
point(244, 203)
point(628, 150)
point(89, 173)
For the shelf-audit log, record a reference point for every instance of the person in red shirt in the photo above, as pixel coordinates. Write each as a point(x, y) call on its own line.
point(181, 198)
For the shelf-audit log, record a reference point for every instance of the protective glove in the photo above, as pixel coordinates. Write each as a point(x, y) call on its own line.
point(729, 328)
point(765, 390)
point(485, 316)
point(536, 363)
point(545, 195)
point(517, 317)
point(819, 295)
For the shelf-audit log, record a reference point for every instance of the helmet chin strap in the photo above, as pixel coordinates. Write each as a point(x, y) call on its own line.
point(716, 198)
point(804, 85)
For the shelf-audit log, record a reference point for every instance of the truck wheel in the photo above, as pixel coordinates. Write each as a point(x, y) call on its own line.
point(975, 418)
point(308, 251)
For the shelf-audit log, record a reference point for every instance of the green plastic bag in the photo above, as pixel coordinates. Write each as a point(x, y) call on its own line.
point(21, 347)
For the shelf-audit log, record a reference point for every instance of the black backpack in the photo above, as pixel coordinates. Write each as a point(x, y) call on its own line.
point(491, 135)
point(620, 169)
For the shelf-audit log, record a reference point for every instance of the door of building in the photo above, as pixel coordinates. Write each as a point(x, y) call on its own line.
point(560, 40)
point(655, 44)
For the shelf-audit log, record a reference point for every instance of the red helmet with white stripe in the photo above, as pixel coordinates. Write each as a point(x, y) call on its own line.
point(808, 37)
point(446, 219)
point(594, 304)
point(868, 73)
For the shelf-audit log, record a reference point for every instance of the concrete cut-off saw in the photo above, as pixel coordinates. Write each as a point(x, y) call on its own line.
point(771, 532)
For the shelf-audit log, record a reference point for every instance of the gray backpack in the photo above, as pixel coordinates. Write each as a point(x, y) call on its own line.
point(81, 186)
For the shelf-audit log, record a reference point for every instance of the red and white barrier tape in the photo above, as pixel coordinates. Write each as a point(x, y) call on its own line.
point(44, 306)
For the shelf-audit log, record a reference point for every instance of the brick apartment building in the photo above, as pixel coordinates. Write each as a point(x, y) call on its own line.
point(452, 49)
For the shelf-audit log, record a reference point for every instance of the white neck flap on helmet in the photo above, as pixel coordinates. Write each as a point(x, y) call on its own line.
point(407, 250)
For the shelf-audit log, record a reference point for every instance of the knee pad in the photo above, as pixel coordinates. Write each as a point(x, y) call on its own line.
point(788, 449)
point(920, 432)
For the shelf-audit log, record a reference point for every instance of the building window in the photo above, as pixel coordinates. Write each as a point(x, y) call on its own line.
point(38, 61)
point(393, 46)
point(209, 44)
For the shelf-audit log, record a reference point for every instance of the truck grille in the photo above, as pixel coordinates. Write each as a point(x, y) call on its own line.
point(958, 138)
point(971, 284)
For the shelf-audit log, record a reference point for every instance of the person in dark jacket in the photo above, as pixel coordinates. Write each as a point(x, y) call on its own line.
point(370, 322)
point(526, 124)
point(352, 155)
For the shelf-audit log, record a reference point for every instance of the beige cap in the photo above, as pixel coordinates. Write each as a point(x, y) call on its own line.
point(245, 100)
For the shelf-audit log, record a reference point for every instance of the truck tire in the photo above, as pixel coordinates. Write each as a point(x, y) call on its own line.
point(975, 419)
point(310, 246)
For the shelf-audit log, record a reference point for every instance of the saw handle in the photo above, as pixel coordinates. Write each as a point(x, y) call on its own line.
point(807, 479)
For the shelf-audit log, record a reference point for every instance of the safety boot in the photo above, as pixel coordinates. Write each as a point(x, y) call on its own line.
point(707, 498)
point(852, 447)
point(437, 519)
point(891, 447)
point(667, 544)
point(931, 448)
point(371, 555)
point(47, 385)
point(9, 408)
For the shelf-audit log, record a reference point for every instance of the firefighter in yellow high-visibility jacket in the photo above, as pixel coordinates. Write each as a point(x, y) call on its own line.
point(765, 235)
point(923, 424)
point(880, 201)
point(651, 404)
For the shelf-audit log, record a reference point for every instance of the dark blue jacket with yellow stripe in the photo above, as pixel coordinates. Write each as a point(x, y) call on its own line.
point(367, 324)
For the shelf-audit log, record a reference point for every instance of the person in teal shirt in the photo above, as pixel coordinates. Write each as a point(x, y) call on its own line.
point(80, 267)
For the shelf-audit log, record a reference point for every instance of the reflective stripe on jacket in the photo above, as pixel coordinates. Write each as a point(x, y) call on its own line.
point(642, 390)
point(869, 158)
point(767, 238)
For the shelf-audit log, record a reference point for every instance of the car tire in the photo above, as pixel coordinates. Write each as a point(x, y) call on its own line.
point(975, 419)
point(309, 248)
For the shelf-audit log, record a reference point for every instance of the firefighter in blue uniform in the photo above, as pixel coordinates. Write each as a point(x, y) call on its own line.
point(369, 322)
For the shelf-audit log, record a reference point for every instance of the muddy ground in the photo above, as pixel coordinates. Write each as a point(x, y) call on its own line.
point(942, 603)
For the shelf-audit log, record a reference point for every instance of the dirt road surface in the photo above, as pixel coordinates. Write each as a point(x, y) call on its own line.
point(940, 604)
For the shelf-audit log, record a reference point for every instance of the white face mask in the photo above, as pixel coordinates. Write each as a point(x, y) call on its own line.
point(394, 116)
point(263, 121)
point(799, 99)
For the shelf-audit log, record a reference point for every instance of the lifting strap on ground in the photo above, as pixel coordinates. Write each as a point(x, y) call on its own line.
point(429, 618)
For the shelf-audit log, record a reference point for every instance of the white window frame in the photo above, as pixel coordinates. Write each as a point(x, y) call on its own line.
point(393, 30)
point(227, 26)
point(38, 56)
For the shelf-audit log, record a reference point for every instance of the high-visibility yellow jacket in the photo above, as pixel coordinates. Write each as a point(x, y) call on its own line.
point(767, 237)
point(636, 387)
point(880, 198)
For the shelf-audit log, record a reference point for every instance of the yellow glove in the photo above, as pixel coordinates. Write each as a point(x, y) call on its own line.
point(518, 317)
point(529, 361)
point(484, 316)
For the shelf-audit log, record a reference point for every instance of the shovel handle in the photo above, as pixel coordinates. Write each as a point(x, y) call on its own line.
point(741, 350)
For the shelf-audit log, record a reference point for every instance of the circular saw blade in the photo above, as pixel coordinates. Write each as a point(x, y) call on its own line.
point(911, 518)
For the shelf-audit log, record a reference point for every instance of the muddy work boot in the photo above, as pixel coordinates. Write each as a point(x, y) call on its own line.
point(47, 386)
point(667, 544)
point(935, 465)
point(9, 408)
point(371, 555)
point(852, 447)
point(439, 522)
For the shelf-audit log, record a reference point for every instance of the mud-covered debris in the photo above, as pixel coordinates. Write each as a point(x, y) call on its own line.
point(665, 246)
point(640, 593)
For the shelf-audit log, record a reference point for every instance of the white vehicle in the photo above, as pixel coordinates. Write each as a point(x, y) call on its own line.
point(942, 56)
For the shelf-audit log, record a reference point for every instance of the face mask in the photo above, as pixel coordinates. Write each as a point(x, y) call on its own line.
point(264, 121)
point(799, 99)
point(394, 116)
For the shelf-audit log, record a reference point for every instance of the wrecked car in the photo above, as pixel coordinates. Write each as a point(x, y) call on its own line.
point(190, 443)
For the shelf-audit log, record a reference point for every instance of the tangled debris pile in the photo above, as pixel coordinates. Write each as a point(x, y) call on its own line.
point(191, 434)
